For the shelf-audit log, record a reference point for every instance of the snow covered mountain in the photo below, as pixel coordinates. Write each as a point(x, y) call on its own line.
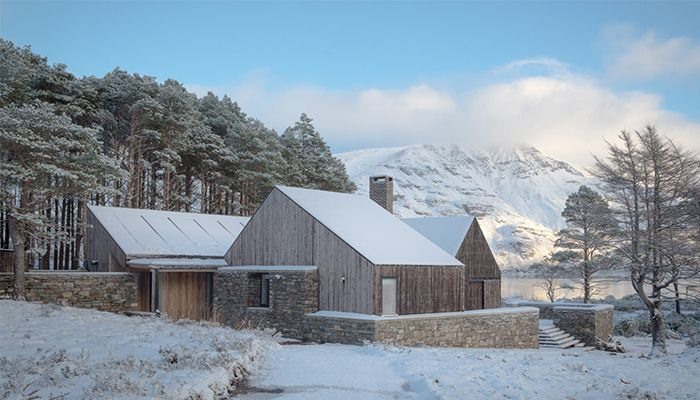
point(517, 193)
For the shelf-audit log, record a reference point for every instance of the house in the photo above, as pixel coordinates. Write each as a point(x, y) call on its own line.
point(368, 261)
point(462, 237)
point(173, 254)
point(336, 267)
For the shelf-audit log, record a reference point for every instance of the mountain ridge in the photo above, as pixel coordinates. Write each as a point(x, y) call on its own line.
point(517, 192)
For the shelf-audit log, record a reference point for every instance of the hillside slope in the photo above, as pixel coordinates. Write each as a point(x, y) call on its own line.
point(517, 193)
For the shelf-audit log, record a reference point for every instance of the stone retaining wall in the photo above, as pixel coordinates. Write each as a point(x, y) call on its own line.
point(115, 292)
point(583, 321)
point(293, 294)
point(494, 328)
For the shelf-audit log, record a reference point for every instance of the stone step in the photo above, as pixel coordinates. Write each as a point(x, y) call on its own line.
point(560, 335)
point(569, 343)
point(552, 337)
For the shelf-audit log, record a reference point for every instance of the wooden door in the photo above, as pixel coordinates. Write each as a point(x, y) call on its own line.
point(474, 295)
point(184, 295)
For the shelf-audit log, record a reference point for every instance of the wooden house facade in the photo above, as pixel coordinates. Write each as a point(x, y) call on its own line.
point(462, 237)
point(368, 261)
point(173, 254)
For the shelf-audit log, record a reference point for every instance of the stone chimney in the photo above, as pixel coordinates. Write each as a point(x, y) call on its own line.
point(381, 190)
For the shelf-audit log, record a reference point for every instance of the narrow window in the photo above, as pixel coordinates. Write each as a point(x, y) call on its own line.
point(265, 290)
point(388, 296)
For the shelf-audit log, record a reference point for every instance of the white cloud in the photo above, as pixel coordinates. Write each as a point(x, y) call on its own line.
point(567, 116)
point(648, 56)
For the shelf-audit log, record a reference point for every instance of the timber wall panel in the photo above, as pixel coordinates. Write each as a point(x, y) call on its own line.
point(474, 295)
point(102, 248)
point(476, 255)
point(183, 295)
point(280, 233)
point(335, 259)
point(492, 293)
point(422, 289)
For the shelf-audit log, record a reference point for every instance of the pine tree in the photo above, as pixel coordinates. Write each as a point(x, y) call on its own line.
point(586, 240)
point(259, 163)
point(43, 155)
point(313, 162)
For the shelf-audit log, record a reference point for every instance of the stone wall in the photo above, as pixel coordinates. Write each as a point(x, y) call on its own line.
point(293, 294)
point(583, 321)
point(115, 292)
point(496, 328)
point(586, 323)
point(325, 327)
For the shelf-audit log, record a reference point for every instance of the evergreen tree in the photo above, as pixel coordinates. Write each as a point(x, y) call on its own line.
point(43, 155)
point(312, 161)
point(586, 240)
point(259, 163)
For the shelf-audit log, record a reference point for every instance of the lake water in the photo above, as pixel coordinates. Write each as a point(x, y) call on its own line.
point(531, 288)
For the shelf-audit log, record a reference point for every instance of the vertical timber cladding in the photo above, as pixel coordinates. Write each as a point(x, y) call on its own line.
point(422, 289)
point(474, 295)
point(282, 233)
point(279, 233)
point(143, 295)
point(102, 249)
point(184, 294)
point(483, 277)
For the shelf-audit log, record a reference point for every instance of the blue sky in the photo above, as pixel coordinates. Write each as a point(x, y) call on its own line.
point(404, 72)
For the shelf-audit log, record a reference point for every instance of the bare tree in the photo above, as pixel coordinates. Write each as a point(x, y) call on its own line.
point(650, 181)
point(550, 284)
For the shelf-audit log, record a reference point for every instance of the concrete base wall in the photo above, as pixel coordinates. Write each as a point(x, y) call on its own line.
point(496, 328)
point(115, 292)
point(583, 321)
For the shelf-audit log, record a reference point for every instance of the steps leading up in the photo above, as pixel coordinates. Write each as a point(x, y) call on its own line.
point(553, 337)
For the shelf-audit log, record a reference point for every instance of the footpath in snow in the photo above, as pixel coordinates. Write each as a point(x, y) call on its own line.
point(341, 372)
point(51, 352)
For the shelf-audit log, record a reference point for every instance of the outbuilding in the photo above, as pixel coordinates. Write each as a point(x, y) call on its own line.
point(173, 254)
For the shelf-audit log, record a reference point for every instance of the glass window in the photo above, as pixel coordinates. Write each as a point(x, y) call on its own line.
point(265, 290)
point(388, 296)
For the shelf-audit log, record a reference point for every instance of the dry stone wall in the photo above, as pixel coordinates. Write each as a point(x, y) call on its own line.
point(587, 323)
point(115, 292)
point(495, 328)
point(582, 321)
point(293, 294)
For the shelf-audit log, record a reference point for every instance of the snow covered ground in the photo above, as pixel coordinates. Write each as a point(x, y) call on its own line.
point(377, 372)
point(50, 352)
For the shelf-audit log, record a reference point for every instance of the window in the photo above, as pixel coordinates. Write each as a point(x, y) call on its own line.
point(265, 290)
point(388, 296)
point(258, 290)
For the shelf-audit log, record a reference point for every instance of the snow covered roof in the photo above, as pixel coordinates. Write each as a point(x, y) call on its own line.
point(368, 228)
point(177, 263)
point(152, 233)
point(446, 232)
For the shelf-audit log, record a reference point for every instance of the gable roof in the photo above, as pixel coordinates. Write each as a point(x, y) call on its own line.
point(368, 228)
point(153, 233)
point(446, 232)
